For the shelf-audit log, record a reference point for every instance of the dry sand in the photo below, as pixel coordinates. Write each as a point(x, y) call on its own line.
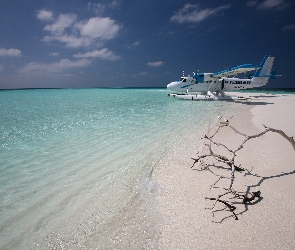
point(266, 224)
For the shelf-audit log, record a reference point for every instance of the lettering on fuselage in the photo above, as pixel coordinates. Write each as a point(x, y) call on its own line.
point(238, 82)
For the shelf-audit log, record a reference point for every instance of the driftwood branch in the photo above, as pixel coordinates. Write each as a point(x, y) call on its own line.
point(230, 167)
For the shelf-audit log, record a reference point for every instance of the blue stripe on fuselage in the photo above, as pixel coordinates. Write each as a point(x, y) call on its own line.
point(185, 86)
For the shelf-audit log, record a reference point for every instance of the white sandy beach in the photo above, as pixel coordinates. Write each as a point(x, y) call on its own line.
point(266, 224)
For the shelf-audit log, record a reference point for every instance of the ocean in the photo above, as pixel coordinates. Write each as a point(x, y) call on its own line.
point(77, 164)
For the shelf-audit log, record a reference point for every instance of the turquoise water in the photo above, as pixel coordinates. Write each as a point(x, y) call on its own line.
point(76, 164)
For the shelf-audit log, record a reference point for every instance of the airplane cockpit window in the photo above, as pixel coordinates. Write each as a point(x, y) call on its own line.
point(183, 80)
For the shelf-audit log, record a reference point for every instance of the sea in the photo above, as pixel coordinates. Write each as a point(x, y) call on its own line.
point(77, 164)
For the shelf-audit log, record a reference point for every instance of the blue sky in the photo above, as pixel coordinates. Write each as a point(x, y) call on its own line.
point(139, 43)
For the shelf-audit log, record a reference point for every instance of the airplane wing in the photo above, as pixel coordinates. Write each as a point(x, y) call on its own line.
point(236, 70)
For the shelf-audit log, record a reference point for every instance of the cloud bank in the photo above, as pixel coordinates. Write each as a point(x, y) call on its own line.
point(67, 29)
point(55, 67)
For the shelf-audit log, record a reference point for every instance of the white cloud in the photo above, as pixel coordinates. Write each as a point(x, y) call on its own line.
point(102, 28)
point(267, 4)
point(62, 65)
point(192, 13)
point(155, 64)
point(10, 52)
point(73, 33)
point(115, 4)
point(58, 27)
point(97, 8)
point(71, 40)
point(136, 43)
point(45, 15)
point(102, 54)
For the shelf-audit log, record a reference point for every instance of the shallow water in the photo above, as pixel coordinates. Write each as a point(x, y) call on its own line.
point(76, 164)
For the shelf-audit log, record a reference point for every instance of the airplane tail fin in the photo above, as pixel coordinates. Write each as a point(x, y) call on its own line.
point(264, 72)
point(265, 67)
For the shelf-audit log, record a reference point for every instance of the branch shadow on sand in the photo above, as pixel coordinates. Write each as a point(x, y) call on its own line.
point(247, 205)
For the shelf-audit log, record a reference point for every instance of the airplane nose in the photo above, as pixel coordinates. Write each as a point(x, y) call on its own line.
point(170, 86)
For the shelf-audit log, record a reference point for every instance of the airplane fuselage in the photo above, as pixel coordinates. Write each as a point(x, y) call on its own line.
point(206, 82)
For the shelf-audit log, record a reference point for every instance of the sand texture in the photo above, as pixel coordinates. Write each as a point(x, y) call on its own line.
point(266, 223)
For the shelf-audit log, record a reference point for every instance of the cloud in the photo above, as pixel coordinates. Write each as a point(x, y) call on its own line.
point(102, 54)
point(73, 33)
point(58, 27)
point(136, 43)
point(155, 64)
point(268, 4)
point(71, 40)
point(99, 8)
point(62, 65)
point(192, 13)
point(251, 3)
point(10, 52)
point(115, 4)
point(143, 73)
point(102, 28)
point(289, 27)
point(54, 54)
point(45, 15)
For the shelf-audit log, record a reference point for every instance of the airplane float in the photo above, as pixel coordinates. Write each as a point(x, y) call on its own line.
point(211, 86)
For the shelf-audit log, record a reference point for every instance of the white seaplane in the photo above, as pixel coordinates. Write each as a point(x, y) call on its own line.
point(211, 86)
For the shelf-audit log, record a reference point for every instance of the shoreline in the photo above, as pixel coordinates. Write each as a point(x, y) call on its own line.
point(267, 224)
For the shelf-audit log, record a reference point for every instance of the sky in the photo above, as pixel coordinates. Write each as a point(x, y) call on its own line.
point(140, 43)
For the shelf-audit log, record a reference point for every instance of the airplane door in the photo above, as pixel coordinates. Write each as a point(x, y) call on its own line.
point(222, 84)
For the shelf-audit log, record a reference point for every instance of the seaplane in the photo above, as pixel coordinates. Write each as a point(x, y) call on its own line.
point(211, 86)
